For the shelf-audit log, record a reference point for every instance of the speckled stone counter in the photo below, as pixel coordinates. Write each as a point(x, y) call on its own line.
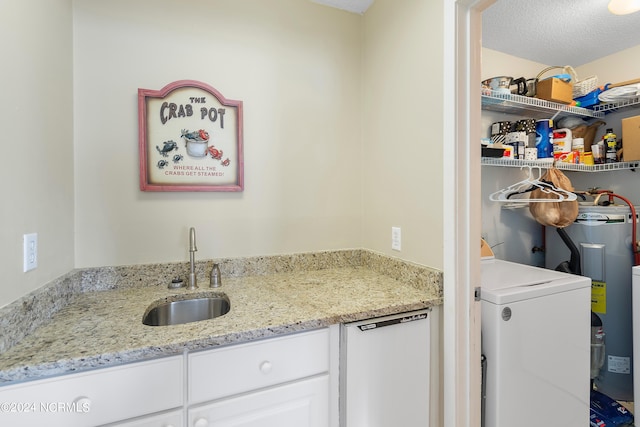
point(101, 324)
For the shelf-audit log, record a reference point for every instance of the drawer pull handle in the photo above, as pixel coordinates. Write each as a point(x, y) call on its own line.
point(201, 422)
point(266, 367)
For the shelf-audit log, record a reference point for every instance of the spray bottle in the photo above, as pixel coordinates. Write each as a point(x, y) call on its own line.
point(610, 143)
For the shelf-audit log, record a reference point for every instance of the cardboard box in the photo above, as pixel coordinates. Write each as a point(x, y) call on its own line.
point(555, 90)
point(631, 139)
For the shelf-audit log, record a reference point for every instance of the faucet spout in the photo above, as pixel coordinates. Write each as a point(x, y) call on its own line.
point(192, 240)
point(193, 282)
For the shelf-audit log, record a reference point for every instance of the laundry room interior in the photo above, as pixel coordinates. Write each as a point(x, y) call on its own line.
point(531, 53)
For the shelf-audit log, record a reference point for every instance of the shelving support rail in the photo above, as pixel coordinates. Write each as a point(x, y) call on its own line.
point(610, 107)
point(510, 103)
point(539, 108)
point(547, 163)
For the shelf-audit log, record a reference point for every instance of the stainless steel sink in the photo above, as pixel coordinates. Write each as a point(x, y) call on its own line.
point(185, 310)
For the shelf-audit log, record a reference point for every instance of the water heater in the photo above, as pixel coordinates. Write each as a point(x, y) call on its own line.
point(603, 235)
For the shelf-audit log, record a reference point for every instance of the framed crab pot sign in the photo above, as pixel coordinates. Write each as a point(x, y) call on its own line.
point(190, 139)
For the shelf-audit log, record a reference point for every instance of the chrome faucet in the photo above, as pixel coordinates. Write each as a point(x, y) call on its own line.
point(193, 283)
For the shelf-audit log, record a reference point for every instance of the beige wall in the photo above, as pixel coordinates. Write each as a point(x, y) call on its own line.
point(295, 65)
point(402, 133)
point(496, 64)
point(342, 130)
point(316, 154)
point(615, 68)
point(36, 116)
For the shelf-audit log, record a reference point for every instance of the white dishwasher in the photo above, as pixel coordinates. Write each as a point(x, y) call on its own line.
point(384, 371)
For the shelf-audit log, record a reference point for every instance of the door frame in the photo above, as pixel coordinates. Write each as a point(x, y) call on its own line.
point(462, 206)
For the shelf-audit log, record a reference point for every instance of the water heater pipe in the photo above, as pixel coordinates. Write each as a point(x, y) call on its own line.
point(612, 195)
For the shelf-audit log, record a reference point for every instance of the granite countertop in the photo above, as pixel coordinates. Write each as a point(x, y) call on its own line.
point(104, 328)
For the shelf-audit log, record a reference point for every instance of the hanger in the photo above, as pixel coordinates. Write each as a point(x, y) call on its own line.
point(518, 192)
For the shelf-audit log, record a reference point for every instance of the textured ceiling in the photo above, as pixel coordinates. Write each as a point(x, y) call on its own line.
point(552, 32)
point(558, 32)
point(356, 6)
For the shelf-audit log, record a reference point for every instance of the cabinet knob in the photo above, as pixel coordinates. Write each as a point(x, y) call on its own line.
point(82, 404)
point(266, 367)
point(201, 422)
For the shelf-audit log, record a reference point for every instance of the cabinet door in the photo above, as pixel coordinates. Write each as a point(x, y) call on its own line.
point(167, 419)
point(300, 404)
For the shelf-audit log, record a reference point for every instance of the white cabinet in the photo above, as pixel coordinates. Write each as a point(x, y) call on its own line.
point(287, 381)
point(168, 419)
point(302, 403)
point(282, 382)
point(96, 397)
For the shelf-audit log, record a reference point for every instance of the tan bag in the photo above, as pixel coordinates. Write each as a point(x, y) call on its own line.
point(554, 214)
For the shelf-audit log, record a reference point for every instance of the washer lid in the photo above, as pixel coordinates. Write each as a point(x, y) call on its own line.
point(505, 282)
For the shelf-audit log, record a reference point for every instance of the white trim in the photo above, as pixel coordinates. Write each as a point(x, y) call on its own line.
point(462, 207)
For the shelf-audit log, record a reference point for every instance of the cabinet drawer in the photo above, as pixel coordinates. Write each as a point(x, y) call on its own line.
point(96, 397)
point(227, 371)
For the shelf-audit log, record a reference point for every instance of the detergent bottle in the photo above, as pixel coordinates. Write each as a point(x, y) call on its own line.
point(561, 142)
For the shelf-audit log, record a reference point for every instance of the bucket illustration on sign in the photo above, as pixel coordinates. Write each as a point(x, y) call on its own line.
point(197, 142)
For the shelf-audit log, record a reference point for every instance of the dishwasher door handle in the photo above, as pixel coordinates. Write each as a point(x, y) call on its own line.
point(394, 321)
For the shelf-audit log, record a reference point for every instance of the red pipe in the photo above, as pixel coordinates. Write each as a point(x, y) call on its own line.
point(635, 249)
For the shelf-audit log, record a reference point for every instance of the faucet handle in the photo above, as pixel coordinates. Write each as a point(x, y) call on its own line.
point(176, 283)
point(215, 279)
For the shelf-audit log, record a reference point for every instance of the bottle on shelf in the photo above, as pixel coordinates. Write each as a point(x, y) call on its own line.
point(544, 138)
point(610, 143)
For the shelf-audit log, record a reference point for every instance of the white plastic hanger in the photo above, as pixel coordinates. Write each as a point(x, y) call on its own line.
point(519, 192)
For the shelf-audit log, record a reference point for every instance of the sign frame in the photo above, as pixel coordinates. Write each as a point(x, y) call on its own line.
point(209, 127)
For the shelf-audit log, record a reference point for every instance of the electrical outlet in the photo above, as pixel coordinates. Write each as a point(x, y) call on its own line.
point(30, 251)
point(396, 238)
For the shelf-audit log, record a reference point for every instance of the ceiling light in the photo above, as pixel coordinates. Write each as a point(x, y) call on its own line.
point(624, 7)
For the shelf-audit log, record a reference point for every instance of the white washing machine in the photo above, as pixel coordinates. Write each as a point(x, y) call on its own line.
point(536, 340)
